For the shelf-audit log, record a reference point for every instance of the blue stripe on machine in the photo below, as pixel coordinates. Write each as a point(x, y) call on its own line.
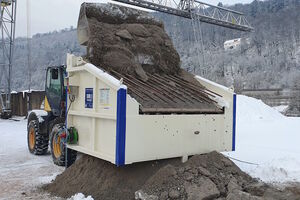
point(121, 127)
point(66, 107)
point(66, 103)
point(234, 122)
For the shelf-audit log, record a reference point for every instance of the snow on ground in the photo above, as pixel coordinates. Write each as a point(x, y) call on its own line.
point(268, 140)
point(21, 172)
point(282, 108)
point(80, 196)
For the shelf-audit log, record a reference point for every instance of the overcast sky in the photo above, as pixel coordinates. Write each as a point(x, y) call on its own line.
point(50, 15)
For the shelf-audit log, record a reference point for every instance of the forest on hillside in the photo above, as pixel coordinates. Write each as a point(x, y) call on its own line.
point(268, 57)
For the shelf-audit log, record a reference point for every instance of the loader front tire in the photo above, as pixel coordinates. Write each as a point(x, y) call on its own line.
point(37, 142)
point(58, 150)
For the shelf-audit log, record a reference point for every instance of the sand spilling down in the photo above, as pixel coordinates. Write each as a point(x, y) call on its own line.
point(128, 41)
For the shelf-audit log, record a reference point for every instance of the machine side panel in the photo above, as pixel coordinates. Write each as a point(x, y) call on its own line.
point(94, 111)
point(228, 98)
point(150, 137)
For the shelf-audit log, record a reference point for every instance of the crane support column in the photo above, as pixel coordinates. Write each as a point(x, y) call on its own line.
point(7, 28)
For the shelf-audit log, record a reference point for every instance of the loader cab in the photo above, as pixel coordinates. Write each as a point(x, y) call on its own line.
point(55, 94)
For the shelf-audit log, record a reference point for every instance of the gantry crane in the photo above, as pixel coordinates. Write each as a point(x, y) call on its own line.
point(194, 9)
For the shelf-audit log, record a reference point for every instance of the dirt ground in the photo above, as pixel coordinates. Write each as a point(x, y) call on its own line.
point(207, 176)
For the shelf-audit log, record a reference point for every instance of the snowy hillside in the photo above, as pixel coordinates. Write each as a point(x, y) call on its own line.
point(268, 57)
point(270, 60)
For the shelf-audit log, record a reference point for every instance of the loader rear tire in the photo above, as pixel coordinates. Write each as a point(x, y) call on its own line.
point(58, 151)
point(37, 142)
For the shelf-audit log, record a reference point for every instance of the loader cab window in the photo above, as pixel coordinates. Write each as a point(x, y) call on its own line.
point(54, 81)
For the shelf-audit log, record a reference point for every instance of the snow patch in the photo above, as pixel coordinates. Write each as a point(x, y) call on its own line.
point(28, 91)
point(213, 83)
point(251, 109)
point(117, 11)
point(285, 169)
point(267, 139)
point(80, 196)
point(123, 87)
point(282, 108)
point(221, 102)
point(39, 114)
point(103, 74)
point(47, 179)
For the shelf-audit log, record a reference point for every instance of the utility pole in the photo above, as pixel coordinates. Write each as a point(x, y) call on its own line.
point(7, 28)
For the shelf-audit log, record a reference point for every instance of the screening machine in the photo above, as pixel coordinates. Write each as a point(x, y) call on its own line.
point(119, 117)
point(112, 124)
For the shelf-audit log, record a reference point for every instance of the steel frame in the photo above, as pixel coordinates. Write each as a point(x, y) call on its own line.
point(7, 28)
point(204, 12)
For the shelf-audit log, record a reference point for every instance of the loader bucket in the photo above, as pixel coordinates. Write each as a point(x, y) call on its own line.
point(83, 31)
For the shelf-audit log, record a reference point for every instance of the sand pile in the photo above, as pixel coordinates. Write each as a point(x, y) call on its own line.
point(126, 40)
point(207, 176)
